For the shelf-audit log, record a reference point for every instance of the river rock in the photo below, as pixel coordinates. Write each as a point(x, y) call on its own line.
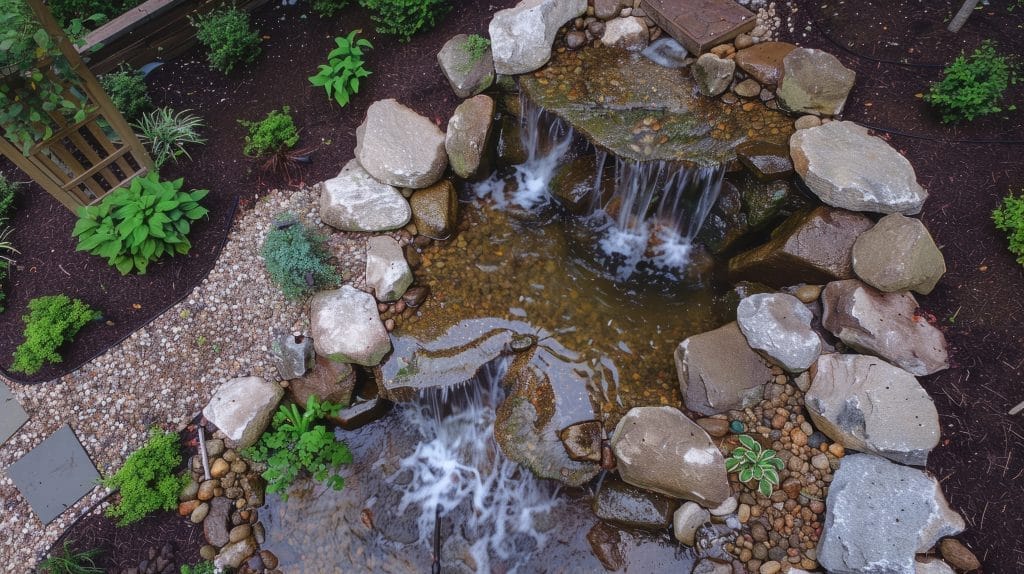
point(779, 326)
point(814, 82)
point(931, 565)
point(399, 147)
point(582, 441)
point(767, 161)
point(848, 168)
point(215, 526)
point(607, 9)
point(764, 61)
point(879, 514)
point(629, 506)
point(329, 381)
point(898, 254)
point(242, 408)
point(661, 449)
point(958, 555)
point(718, 371)
point(467, 75)
point(871, 406)
point(626, 33)
point(606, 544)
point(362, 413)
point(293, 355)
point(346, 327)
point(232, 555)
point(713, 74)
point(468, 136)
point(812, 246)
point(686, 520)
point(435, 210)
point(387, 272)
point(748, 88)
point(354, 201)
point(883, 324)
point(521, 36)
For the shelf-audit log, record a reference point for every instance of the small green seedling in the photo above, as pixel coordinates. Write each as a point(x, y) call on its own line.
point(754, 462)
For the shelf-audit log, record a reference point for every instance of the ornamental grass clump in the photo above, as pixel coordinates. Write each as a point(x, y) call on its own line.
point(1009, 217)
point(754, 462)
point(973, 86)
point(51, 321)
point(166, 132)
point(149, 480)
point(297, 259)
point(67, 561)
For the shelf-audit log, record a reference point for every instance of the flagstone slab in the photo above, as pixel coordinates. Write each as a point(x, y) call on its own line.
point(55, 474)
point(12, 416)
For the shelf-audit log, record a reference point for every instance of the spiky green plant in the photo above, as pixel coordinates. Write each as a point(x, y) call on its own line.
point(754, 462)
point(166, 132)
point(66, 561)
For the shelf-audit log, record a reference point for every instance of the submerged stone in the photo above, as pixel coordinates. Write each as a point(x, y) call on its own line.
point(582, 441)
point(630, 506)
point(435, 210)
point(766, 161)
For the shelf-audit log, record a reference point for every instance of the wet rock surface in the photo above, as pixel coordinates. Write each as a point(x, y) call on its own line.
point(764, 61)
point(630, 506)
point(713, 74)
point(435, 210)
point(765, 160)
point(328, 380)
point(718, 371)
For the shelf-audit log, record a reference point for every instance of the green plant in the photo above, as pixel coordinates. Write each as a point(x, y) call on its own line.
point(340, 76)
point(167, 132)
point(70, 562)
point(296, 444)
point(229, 37)
point(1009, 217)
point(475, 47)
point(148, 480)
point(136, 225)
point(296, 259)
point(753, 462)
point(7, 191)
point(204, 567)
point(973, 86)
point(51, 321)
point(328, 8)
point(271, 135)
point(404, 18)
point(127, 90)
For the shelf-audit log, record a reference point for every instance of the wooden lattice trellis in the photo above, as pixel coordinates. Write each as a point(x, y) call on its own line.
point(82, 161)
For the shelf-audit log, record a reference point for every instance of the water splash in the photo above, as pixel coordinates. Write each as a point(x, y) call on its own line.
point(667, 53)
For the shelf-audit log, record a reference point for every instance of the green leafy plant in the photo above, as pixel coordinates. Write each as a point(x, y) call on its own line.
point(271, 135)
point(475, 46)
point(148, 481)
point(753, 462)
point(404, 18)
point(228, 36)
point(973, 86)
point(127, 90)
point(51, 321)
point(136, 225)
point(296, 444)
point(340, 76)
point(328, 8)
point(67, 561)
point(166, 133)
point(7, 191)
point(1009, 217)
point(204, 567)
point(297, 259)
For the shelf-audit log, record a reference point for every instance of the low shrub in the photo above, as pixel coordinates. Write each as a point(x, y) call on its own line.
point(340, 76)
point(148, 480)
point(294, 444)
point(273, 134)
point(51, 321)
point(228, 36)
point(67, 561)
point(166, 133)
point(204, 567)
point(973, 86)
point(1009, 217)
point(405, 18)
point(296, 259)
point(127, 90)
point(65, 11)
point(136, 225)
point(328, 8)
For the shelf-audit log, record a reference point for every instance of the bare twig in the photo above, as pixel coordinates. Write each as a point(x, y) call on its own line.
point(1018, 408)
point(202, 452)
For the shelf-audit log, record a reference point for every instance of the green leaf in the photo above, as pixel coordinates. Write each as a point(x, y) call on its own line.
point(750, 443)
point(731, 464)
point(123, 264)
point(771, 476)
point(765, 488)
point(777, 463)
point(42, 39)
point(746, 474)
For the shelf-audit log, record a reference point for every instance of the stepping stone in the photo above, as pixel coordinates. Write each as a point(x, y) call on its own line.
point(54, 475)
point(12, 416)
point(700, 24)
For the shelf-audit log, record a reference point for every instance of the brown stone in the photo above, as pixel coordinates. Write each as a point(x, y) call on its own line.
point(330, 381)
point(186, 508)
point(582, 441)
point(605, 542)
point(435, 210)
point(764, 61)
point(714, 427)
point(219, 468)
point(767, 161)
point(958, 555)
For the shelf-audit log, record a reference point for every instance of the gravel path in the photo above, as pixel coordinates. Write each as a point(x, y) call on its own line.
point(164, 373)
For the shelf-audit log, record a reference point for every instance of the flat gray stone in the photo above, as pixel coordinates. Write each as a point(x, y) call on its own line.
point(898, 254)
point(718, 371)
point(814, 82)
point(54, 475)
point(355, 201)
point(521, 36)
point(12, 416)
point(779, 326)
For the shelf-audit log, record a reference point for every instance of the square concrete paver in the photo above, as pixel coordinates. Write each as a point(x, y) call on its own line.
point(55, 474)
point(12, 416)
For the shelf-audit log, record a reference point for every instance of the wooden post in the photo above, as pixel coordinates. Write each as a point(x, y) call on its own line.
point(962, 15)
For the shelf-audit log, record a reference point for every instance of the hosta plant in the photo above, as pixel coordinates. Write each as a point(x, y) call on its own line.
point(136, 225)
point(340, 76)
point(754, 462)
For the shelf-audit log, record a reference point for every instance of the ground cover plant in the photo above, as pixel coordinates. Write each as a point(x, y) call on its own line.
point(1009, 217)
point(405, 18)
point(127, 90)
point(167, 132)
point(204, 567)
point(973, 86)
point(229, 38)
point(52, 321)
point(754, 462)
point(340, 76)
point(148, 481)
point(297, 259)
point(475, 46)
point(67, 561)
point(273, 134)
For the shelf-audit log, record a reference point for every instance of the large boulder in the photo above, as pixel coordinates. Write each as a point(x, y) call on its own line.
point(779, 326)
point(242, 408)
point(329, 381)
point(346, 326)
point(898, 254)
point(627, 33)
point(468, 137)
point(467, 73)
point(814, 82)
point(718, 371)
point(521, 36)
point(399, 147)
point(354, 201)
point(764, 61)
point(435, 210)
point(883, 324)
point(387, 272)
point(629, 506)
point(879, 515)
point(871, 406)
point(660, 449)
point(846, 167)
point(812, 246)
point(713, 74)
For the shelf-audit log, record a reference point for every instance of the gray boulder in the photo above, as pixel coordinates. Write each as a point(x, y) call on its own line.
point(399, 147)
point(293, 355)
point(346, 327)
point(435, 210)
point(718, 371)
point(626, 33)
point(521, 36)
point(848, 168)
point(883, 324)
point(468, 75)
point(354, 201)
point(871, 406)
point(898, 254)
point(879, 514)
point(814, 82)
point(779, 326)
point(217, 521)
point(661, 449)
point(607, 9)
point(713, 74)
point(242, 408)
point(468, 136)
point(387, 272)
